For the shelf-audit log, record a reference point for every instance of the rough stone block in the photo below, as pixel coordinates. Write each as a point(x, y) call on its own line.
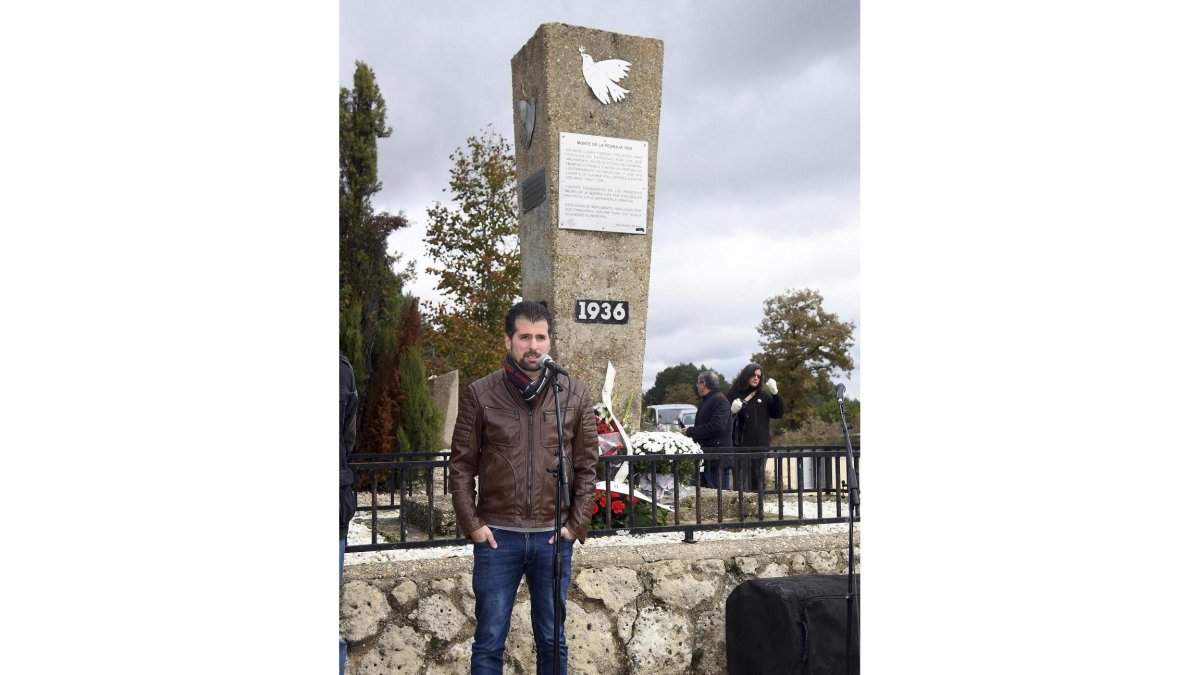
point(773, 570)
point(593, 645)
point(661, 643)
point(398, 651)
point(747, 565)
point(676, 588)
point(438, 617)
point(823, 562)
point(799, 564)
point(616, 587)
point(363, 608)
point(454, 661)
point(404, 593)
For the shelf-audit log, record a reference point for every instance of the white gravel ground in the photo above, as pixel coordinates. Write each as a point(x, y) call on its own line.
point(360, 533)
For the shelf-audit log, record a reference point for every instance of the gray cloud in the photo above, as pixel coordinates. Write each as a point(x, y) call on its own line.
point(757, 184)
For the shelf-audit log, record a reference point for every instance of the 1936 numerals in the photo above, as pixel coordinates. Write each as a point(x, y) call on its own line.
point(602, 311)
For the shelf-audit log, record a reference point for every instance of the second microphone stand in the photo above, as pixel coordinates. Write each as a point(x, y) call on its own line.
point(852, 513)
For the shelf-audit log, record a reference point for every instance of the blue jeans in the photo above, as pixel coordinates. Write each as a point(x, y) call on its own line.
point(495, 579)
point(341, 641)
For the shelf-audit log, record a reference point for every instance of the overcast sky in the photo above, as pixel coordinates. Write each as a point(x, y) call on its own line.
point(758, 156)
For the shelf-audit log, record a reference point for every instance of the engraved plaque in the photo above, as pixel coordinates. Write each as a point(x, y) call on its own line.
point(603, 183)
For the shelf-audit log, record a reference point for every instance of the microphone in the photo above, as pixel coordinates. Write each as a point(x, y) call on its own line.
point(549, 364)
point(841, 392)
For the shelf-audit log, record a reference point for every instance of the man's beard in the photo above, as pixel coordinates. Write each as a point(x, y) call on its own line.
point(524, 365)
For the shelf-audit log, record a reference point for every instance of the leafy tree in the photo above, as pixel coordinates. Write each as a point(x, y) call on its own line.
point(378, 324)
point(477, 255)
point(677, 384)
point(681, 393)
point(828, 412)
point(802, 346)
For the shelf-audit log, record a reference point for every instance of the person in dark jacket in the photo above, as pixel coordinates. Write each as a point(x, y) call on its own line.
point(505, 439)
point(712, 430)
point(347, 421)
point(754, 404)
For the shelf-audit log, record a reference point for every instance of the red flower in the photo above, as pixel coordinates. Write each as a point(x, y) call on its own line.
point(602, 501)
point(618, 507)
point(595, 508)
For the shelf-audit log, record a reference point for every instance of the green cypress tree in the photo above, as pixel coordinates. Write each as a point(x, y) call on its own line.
point(421, 428)
point(368, 283)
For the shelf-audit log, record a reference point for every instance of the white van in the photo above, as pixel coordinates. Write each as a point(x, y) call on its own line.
point(665, 416)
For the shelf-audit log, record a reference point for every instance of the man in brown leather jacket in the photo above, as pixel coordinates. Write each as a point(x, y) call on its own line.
point(506, 435)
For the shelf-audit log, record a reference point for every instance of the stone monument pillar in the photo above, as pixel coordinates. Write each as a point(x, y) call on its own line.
point(586, 108)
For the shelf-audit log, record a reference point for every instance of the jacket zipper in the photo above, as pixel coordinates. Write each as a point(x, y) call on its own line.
point(510, 411)
point(529, 472)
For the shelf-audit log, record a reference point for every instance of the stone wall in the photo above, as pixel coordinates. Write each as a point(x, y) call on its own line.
point(630, 609)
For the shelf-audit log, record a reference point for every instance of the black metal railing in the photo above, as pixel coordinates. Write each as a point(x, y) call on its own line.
point(403, 483)
point(806, 488)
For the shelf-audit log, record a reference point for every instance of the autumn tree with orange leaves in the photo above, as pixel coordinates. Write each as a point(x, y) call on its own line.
point(474, 246)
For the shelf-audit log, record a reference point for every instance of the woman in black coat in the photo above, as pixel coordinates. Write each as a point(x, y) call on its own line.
point(754, 404)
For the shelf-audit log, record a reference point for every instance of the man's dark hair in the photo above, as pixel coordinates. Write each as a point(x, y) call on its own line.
point(710, 380)
point(532, 312)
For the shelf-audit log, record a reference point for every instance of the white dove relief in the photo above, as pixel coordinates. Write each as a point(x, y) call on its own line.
point(602, 77)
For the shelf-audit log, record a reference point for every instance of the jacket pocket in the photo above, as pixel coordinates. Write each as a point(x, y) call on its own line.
point(550, 428)
point(501, 426)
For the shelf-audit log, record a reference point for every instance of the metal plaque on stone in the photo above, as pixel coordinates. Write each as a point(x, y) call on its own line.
point(603, 183)
point(533, 191)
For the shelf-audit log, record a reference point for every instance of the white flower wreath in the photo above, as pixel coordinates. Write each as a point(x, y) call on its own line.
point(662, 443)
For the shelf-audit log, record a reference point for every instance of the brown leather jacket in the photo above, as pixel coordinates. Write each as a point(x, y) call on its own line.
point(509, 446)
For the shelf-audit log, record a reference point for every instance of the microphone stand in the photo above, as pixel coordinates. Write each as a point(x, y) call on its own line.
point(852, 511)
point(561, 501)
